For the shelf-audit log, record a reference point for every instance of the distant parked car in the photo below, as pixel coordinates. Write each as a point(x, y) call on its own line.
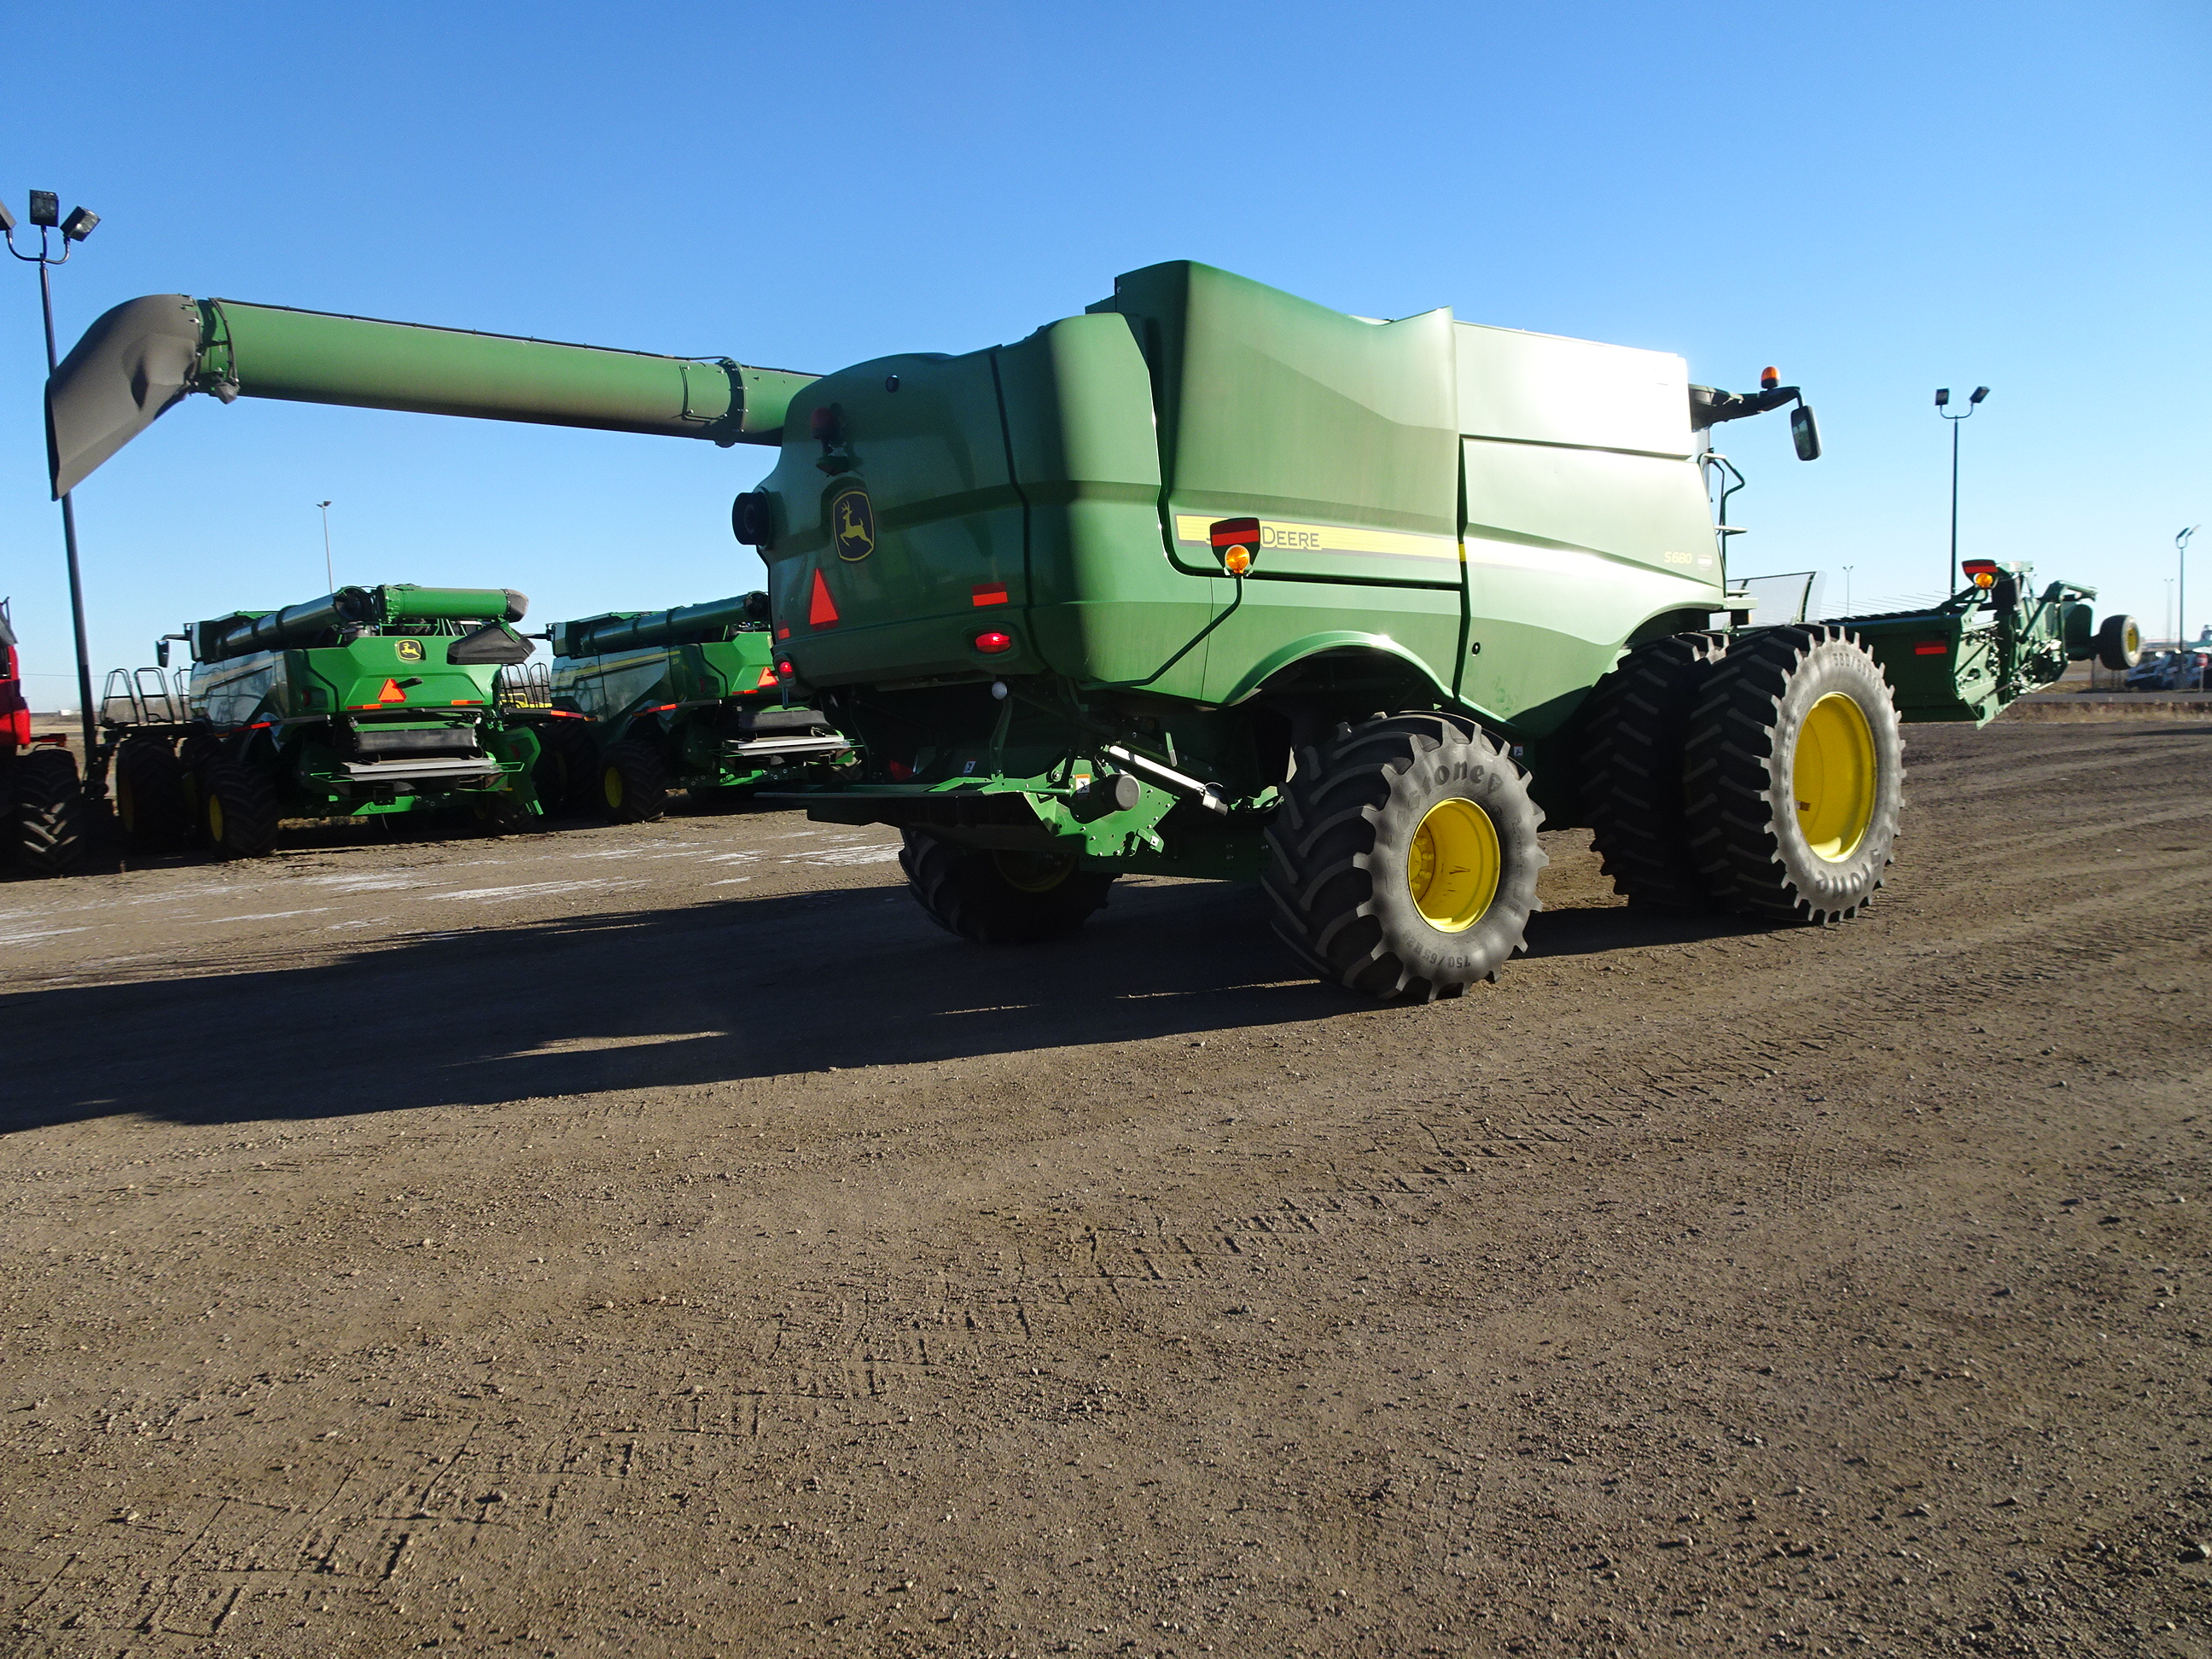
point(2190, 670)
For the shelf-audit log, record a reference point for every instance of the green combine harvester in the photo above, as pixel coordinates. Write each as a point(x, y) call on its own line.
point(643, 702)
point(367, 701)
point(1210, 580)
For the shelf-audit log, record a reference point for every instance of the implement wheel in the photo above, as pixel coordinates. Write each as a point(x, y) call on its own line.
point(238, 810)
point(45, 810)
point(2120, 644)
point(1634, 726)
point(1794, 774)
point(568, 770)
point(633, 786)
point(1000, 899)
point(1404, 858)
point(150, 801)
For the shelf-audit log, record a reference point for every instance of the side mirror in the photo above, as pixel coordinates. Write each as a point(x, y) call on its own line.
point(1805, 432)
point(161, 652)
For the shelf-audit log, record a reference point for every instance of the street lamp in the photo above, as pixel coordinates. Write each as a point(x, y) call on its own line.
point(1847, 587)
point(45, 214)
point(1943, 408)
point(2181, 582)
point(327, 571)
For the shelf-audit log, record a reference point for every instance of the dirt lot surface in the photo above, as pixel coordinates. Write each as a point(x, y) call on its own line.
point(664, 1242)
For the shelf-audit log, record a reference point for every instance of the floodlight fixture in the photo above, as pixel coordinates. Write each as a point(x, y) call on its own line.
point(1980, 392)
point(7, 219)
point(79, 225)
point(45, 208)
point(1943, 395)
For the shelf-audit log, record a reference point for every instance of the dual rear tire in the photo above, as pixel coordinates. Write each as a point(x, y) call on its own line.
point(1765, 777)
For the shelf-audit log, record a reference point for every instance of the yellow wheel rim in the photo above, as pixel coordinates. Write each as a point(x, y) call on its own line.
point(2134, 641)
point(1453, 868)
point(214, 819)
point(1033, 872)
point(610, 786)
point(1832, 777)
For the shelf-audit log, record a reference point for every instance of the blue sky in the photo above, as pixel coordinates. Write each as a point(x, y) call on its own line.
point(1879, 199)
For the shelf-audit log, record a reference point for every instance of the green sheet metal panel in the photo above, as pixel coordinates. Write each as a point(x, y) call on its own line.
point(1105, 603)
point(923, 440)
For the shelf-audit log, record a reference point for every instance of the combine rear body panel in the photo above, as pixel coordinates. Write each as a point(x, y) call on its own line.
point(1214, 580)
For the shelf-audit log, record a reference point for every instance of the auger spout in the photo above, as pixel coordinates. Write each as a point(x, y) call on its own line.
point(688, 624)
point(147, 355)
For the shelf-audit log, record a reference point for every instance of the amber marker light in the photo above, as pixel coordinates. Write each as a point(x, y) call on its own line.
point(1234, 541)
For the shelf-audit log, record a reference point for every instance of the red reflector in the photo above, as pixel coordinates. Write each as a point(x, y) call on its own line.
point(988, 593)
point(821, 610)
point(391, 693)
point(768, 677)
point(1236, 532)
point(899, 770)
point(1975, 567)
point(783, 633)
point(993, 643)
point(1931, 648)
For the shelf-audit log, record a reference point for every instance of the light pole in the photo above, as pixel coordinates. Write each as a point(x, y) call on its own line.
point(2169, 607)
point(1847, 587)
point(2181, 581)
point(1943, 408)
point(45, 214)
point(327, 573)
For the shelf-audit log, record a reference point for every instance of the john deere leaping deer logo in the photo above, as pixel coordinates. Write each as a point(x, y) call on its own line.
point(409, 650)
point(852, 525)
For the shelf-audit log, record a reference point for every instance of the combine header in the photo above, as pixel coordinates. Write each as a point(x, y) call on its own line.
point(1211, 581)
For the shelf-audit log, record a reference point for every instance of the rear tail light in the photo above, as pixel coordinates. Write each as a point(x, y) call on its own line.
point(993, 643)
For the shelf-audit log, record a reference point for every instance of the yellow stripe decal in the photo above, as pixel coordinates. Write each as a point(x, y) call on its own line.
point(1284, 535)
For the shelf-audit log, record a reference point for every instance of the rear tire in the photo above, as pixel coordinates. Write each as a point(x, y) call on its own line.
point(150, 795)
point(1404, 858)
point(633, 786)
point(1000, 899)
point(239, 813)
point(568, 770)
point(45, 810)
point(1635, 725)
point(1794, 775)
point(2119, 643)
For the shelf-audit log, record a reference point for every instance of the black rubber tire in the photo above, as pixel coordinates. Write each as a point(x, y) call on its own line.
point(1738, 768)
point(1000, 899)
point(633, 784)
point(2119, 643)
point(47, 814)
point(568, 770)
point(1633, 729)
point(238, 810)
point(197, 756)
point(1343, 840)
point(502, 814)
point(150, 802)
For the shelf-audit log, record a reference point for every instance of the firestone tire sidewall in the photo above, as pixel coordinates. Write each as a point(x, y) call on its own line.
point(1471, 772)
point(1842, 886)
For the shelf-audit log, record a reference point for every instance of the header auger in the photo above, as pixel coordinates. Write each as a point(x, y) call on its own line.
point(1211, 580)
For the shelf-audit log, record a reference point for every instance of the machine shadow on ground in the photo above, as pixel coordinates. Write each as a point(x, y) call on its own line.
point(705, 994)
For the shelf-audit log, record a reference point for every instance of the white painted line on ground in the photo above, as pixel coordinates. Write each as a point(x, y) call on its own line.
point(540, 889)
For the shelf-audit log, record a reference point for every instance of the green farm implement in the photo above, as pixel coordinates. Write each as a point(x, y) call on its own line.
point(642, 703)
point(364, 703)
point(1211, 581)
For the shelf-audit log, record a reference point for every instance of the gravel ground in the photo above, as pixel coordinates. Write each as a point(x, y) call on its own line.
point(664, 1242)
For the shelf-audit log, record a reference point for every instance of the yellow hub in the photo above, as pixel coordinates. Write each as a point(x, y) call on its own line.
point(1832, 777)
point(1033, 872)
point(610, 786)
point(214, 819)
point(1453, 868)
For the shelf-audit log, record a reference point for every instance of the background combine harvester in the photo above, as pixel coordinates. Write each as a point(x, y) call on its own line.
point(1211, 580)
point(364, 703)
point(643, 702)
